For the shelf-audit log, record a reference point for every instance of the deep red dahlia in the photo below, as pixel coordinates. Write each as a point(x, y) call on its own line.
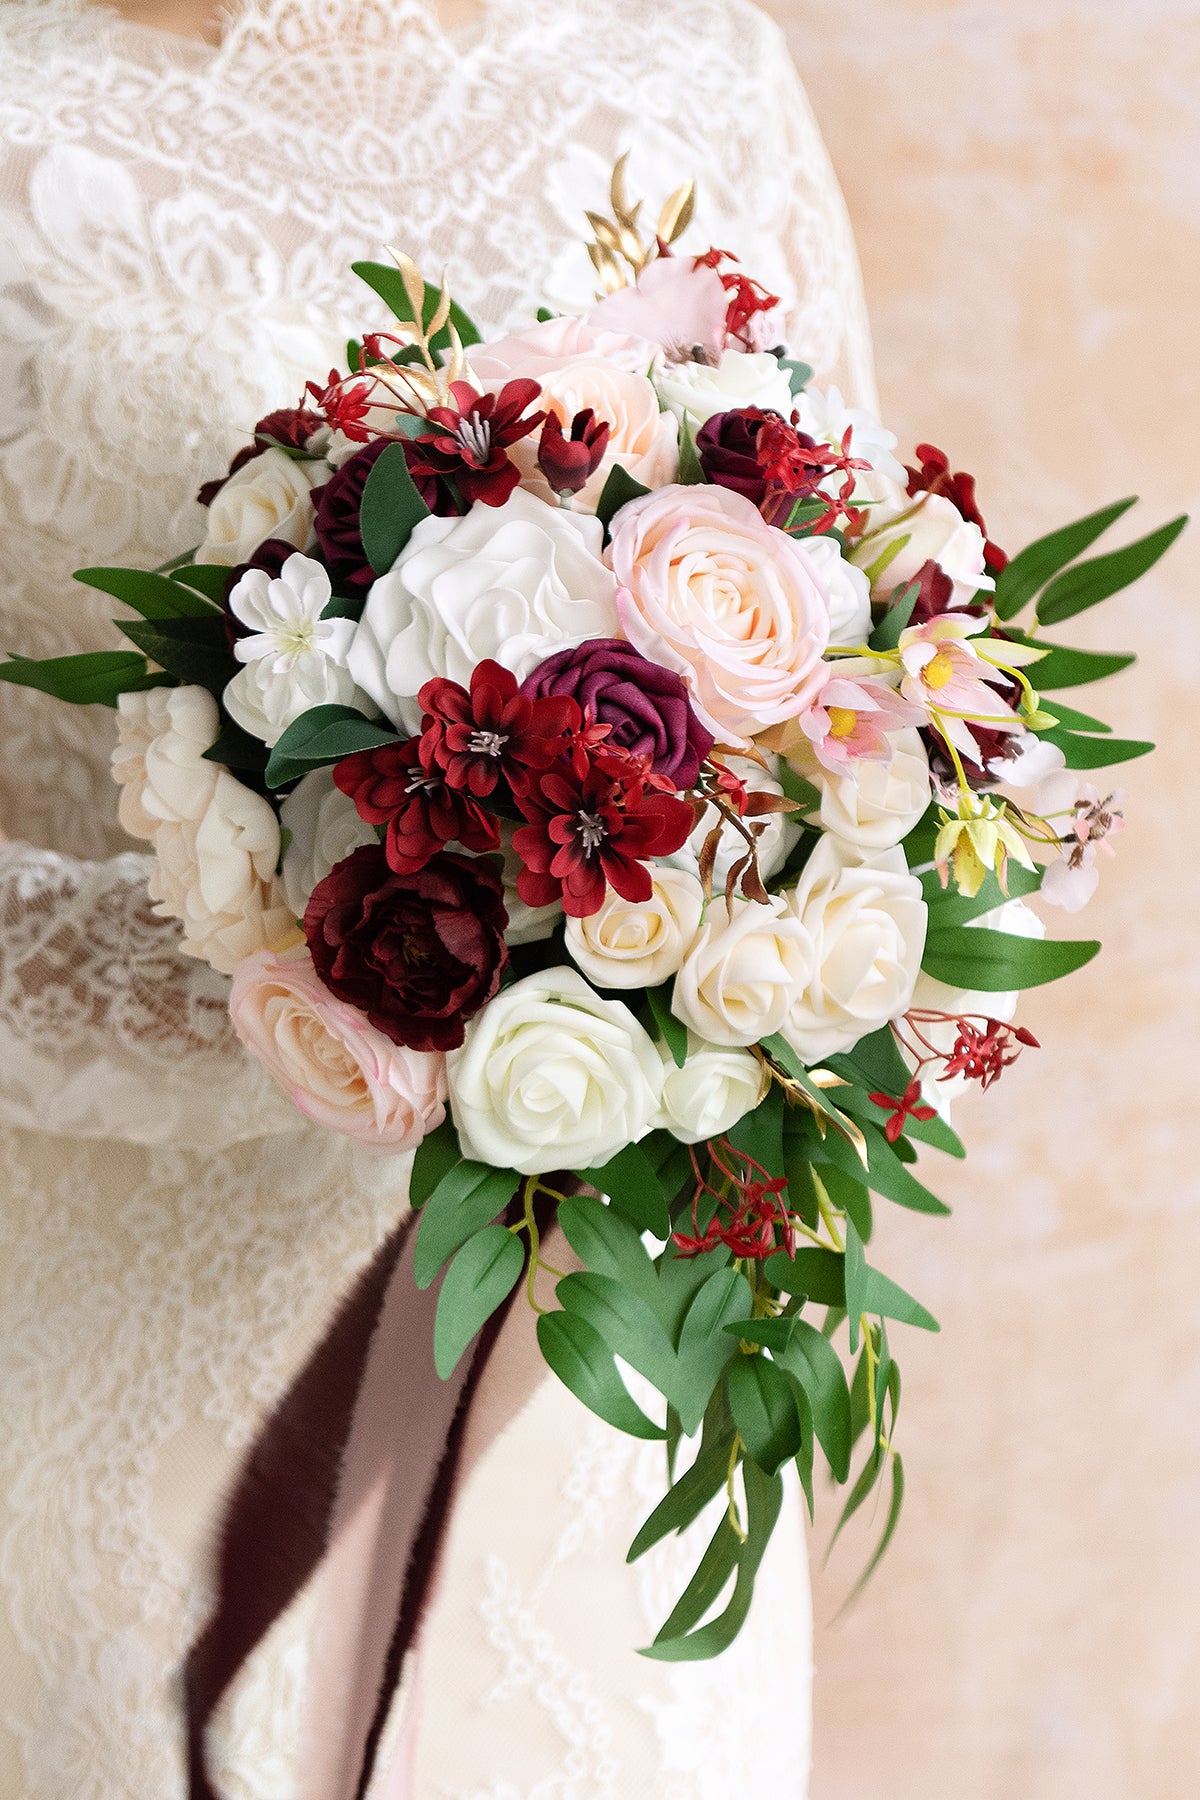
point(493, 732)
point(468, 443)
point(418, 953)
point(390, 785)
point(586, 833)
point(934, 477)
point(568, 463)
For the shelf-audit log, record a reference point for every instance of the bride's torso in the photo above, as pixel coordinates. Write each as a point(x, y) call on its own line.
point(177, 222)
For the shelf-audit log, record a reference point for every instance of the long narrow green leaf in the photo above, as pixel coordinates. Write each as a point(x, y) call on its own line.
point(998, 961)
point(764, 1411)
point(153, 596)
point(1090, 582)
point(584, 1363)
point(94, 678)
point(1086, 752)
point(764, 1497)
point(480, 1279)
point(1039, 561)
point(684, 1502)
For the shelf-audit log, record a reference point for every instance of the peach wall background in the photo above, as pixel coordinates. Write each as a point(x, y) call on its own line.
point(1024, 180)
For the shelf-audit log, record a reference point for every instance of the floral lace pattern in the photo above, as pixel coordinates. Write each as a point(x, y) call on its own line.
point(176, 228)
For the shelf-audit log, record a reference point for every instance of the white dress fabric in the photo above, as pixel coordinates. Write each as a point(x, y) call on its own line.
point(176, 228)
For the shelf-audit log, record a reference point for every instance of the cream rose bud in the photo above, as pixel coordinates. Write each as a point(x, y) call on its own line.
point(699, 390)
point(716, 1087)
point(866, 920)
point(642, 438)
point(328, 1058)
point(743, 972)
point(638, 944)
point(847, 589)
point(927, 528)
point(709, 589)
point(513, 582)
point(324, 827)
point(551, 1076)
point(268, 497)
point(872, 804)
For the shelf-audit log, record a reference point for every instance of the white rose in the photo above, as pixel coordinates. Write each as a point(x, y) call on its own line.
point(216, 842)
point(638, 944)
point(699, 390)
point(325, 827)
point(866, 918)
point(526, 924)
point(927, 528)
point(294, 659)
point(717, 1086)
point(826, 417)
point(513, 582)
point(551, 1076)
point(848, 589)
point(929, 995)
point(269, 497)
point(642, 438)
point(743, 972)
point(780, 831)
point(871, 804)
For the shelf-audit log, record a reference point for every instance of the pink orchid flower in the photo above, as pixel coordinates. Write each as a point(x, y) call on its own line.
point(850, 719)
point(676, 302)
point(946, 677)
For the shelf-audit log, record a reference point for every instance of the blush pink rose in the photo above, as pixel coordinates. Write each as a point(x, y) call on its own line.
point(545, 349)
point(709, 589)
point(329, 1060)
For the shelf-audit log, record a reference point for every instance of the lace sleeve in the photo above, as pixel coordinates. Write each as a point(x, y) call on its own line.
point(105, 1029)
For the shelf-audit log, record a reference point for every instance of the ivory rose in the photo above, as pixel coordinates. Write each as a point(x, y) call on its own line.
point(872, 803)
point(268, 497)
point(642, 439)
point(638, 944)
point(325, 827)
point(708, 588)
point(743, 972)
point(699, 390)
point(514, 583)
point(928, 528)
point(717, 1086)
point(216, 842)
point(866, 920)
point(332, 1064)
point(551, 1076)
point(847, 589)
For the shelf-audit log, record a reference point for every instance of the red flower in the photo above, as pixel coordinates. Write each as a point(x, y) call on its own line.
point(934, 477)
point(419, 953)
point(493, 731)
point(390, 785)
point(749, 1207)
point(746, 297)
point(468, 443)
point(344, 403)
point(591, 831)
point(568, 463)
point(983, 1056)
point(907, 1107)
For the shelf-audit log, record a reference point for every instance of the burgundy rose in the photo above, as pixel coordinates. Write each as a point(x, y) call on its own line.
point(336, 523)
point(936, 477)
point(418, 954)
point(291, 426)
point(645, 705)
point(270, 558)
point(726, 445)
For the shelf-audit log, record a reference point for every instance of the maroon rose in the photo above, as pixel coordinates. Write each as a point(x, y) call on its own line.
point(336, 522)
point(270, 557)
point(418, 954)
point(646, 706)
point(726, 445)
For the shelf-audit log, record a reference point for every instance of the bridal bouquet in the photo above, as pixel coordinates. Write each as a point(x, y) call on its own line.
point(604, 769)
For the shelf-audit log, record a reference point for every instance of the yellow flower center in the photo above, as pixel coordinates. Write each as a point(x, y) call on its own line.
point(842, 720)
point(938, 672)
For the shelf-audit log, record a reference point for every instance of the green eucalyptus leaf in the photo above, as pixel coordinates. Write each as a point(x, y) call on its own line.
point(323, 735)
point(466, 1199)
point(690, 472)
point(583, 1362)
point(854, 1272)
point(437, 1154)
point(886, 634)
point(209, 579)
point(631, 1182)
point(480, 1279)
point(764, 1411)
point(672, 1030)
point(94, 678)
point(627, 1324)
point(704, 1349)
point(807, 1354)
point(818, 1275)
point(686, 1500)
point(799, 374)
point(948, 907)
point(676, 1642)
point(237, 749)
point(1090, 582)
point(390, 509)
point(153, 596)
point(1027, 572)
point(995, 962)
point(1065, 667)
point(608, 1244)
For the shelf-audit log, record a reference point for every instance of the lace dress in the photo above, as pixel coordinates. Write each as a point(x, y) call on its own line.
point(176, 228)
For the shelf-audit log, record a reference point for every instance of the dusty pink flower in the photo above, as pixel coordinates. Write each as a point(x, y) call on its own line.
point(1084, 821)
point(850, 719)
point(333, 1064)
point(951, 683)
point(677, 303)
point(736, 607)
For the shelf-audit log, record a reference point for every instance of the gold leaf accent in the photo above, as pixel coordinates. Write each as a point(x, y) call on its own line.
point(676, 215)
point(618, 250)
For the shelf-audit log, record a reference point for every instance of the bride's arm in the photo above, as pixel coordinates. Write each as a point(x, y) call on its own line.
point(106, 1030)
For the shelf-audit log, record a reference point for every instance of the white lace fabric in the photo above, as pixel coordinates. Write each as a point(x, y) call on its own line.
point(176, 228)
